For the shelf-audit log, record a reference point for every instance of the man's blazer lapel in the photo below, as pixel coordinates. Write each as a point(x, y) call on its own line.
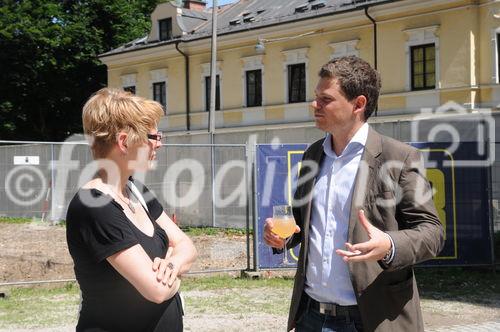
point(367, 170)
point(317, 156)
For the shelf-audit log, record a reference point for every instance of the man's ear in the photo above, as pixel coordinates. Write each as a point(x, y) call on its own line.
point(359, 104)
point(122, 142)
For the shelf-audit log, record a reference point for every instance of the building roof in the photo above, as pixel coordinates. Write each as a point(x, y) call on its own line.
point(190, 20)
point(246, 15)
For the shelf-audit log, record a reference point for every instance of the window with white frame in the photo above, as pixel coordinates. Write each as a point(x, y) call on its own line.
point(165, 29)
point(129, 83)
point(423, 67)
point(295, 68)
point(495, 43)
point(252, 78)
point(158, 84)
point(422, 57)
point(297, 83)
point(208, 93)
point(497, 62)
point(253, 87)
point(345, 48)
point(160, 94)
point(206, 80)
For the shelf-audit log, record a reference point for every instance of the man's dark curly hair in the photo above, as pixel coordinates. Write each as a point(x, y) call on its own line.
point(356, 77)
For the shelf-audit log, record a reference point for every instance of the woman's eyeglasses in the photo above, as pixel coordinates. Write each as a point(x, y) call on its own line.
point(157, 137)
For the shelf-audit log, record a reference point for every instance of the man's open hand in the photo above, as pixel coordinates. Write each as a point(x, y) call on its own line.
point(372, 250)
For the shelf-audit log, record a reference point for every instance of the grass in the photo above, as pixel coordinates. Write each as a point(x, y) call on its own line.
point(219, 282)
point(18, 220)
point(38, 307)
point(14, 220)
point(225, 296)
point(210, 231)
point(191, 231)
point(230, 296)
point(471, 284)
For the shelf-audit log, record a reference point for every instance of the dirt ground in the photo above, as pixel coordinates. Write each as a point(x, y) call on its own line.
point(35, 251)
point(38, 252)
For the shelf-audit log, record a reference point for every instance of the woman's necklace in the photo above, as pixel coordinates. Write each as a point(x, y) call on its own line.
point(129, 204)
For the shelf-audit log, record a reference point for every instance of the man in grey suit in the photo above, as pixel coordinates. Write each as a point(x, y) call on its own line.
point(364, 212)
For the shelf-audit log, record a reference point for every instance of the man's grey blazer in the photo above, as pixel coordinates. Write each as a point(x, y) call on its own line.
point(391, 188)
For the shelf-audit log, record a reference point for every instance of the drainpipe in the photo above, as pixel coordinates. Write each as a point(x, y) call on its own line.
point(186, 63)
point(374, 44)
point(374, 36)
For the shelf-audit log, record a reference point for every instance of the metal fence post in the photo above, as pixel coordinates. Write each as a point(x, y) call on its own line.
point(248, 169)
point(52, 183)
point(254, 212)
point(490, 213)
point(212, 158)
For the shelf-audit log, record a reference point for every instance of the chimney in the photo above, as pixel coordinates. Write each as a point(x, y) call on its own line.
point(195, 5)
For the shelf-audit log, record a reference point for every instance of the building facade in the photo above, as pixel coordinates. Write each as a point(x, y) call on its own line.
point(428, 52)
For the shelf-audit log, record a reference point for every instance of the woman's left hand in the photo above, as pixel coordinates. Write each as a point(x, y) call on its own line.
point(167, 269)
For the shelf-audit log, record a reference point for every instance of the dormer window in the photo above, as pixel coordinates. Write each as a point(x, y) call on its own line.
point(236, 21)
point(318, 5)
point(165, 27)
point(247, 19)
point(302, 8)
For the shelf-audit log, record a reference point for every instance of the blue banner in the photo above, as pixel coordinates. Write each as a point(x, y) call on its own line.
point(460, 194)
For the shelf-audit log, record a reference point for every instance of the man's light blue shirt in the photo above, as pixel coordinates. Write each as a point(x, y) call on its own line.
point(327, 275)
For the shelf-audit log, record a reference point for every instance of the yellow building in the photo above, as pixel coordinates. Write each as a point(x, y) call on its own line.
point(428, 52)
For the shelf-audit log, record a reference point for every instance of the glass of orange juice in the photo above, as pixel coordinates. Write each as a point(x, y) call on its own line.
point(283, 225)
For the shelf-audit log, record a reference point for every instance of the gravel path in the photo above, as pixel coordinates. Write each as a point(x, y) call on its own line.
point(267, 323)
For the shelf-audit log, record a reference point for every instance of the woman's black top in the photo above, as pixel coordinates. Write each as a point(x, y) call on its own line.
point(97, 228)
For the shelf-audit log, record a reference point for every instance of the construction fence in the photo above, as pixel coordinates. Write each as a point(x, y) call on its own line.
point(198, 184)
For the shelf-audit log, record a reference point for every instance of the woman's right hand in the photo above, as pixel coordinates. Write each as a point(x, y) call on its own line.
point(167, 269)
point(135, 265)
point(175, 286)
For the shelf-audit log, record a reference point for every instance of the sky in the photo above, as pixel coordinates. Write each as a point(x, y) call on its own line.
point(220, 2)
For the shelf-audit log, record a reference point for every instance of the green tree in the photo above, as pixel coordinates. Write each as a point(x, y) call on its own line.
point(48, 60)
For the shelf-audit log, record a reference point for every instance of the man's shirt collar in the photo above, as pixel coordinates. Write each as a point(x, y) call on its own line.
point(359, 139)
